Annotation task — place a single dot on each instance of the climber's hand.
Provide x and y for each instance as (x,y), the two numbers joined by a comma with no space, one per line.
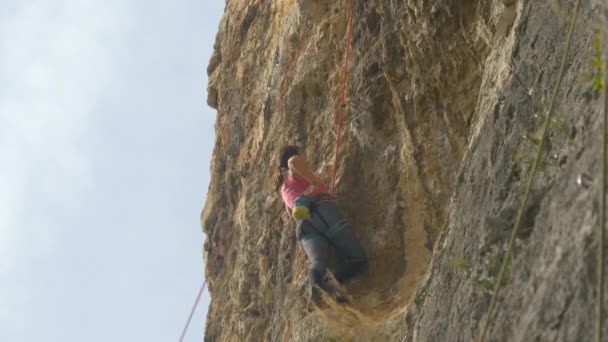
(289,212)
(312,189)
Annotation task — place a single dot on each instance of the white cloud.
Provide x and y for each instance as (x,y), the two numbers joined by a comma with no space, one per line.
(55,67)
(56,64)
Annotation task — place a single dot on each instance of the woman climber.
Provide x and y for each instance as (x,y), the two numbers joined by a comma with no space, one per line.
(320,224)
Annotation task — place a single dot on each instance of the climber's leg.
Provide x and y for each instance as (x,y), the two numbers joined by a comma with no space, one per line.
(317,251)
(351,255)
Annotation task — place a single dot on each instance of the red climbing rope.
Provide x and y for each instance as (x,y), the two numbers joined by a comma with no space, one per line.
(303,42)
(282,90)
(343,96)
(283,86)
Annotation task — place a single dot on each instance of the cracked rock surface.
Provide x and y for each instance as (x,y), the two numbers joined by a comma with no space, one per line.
(445,99)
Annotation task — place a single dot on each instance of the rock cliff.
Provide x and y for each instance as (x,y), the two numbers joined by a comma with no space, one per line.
(445,99)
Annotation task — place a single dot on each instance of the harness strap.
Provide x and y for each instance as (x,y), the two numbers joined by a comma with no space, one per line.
(320,198)
(335,229)
(310,236)
(331,232)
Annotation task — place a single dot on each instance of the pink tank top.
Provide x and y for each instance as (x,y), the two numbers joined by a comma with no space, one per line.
(294,186)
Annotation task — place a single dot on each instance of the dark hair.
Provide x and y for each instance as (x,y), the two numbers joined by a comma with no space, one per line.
(286,153)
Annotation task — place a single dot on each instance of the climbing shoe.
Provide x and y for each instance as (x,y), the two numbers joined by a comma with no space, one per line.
(350,270)
(339,298)
(314,295)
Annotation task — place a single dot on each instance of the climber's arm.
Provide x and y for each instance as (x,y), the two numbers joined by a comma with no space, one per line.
(299,165)
(288,211)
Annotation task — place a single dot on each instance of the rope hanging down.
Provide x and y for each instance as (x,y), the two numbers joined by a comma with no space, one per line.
(211,266)
(198,298)
(343,95)
(524,203)
(282,90)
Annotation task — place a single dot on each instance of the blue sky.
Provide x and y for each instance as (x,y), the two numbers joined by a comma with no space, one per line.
(105,144)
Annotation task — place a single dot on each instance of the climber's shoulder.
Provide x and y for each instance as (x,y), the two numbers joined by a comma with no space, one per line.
(296,161)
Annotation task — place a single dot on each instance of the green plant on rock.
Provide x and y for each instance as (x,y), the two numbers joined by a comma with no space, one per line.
(558,123)
(494,263)
(421,296)
(593,75)
(483,283)
(459,264)
(559,128)
(598,64)
(525,160)
(527,190)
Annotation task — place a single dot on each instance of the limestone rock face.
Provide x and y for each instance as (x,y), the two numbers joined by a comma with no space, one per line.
(434,157)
